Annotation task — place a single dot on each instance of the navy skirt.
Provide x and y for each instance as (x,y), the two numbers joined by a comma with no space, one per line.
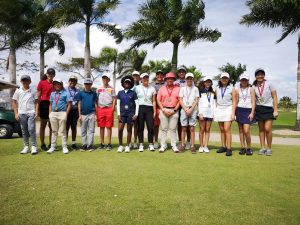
(242,115)
(264,113)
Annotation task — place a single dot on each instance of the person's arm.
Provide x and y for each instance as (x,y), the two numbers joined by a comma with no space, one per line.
(50,107)
(79,110)
(252,92)
(69,107)
(154,104)
(15,108)
(234,104)
(136,109)
(275,103)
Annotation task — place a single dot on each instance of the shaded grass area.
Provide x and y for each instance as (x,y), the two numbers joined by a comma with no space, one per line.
(148,188)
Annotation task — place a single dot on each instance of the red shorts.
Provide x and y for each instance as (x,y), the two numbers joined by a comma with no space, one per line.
(156,118)
(105,117)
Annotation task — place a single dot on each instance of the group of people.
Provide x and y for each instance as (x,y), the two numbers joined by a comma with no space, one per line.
(167,105)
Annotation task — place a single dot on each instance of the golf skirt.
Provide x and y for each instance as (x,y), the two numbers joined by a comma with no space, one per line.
(242,115)
(264,113)
(223,113)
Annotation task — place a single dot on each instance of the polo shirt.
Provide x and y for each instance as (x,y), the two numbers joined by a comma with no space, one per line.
(46,88)
(226,99)
(87,99)
(266,99)
(168,97)
(145,94)
(26,100)
(158,85)
(188,95)
(73,93)
(106,96)
(128,98)
(59,100)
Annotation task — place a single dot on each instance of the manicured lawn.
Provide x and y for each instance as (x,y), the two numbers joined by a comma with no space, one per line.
(148,188)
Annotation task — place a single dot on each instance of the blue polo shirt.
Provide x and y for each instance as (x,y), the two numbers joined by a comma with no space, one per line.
(127,98)
(88,100)
(59,100)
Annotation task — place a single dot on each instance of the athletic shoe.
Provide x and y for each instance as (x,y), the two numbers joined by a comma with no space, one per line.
(188,145)
(269,152)
(51,150)
(90,148)
(179,144)
(83,148)
(120,149)
(25,150)
(156,145)
(162,149)
(201,149)
(262,151)
(221,150)
(135,146)
(44,148)
(242,151)
(65,150)
(151,147)
(181,148)
(127,149)
(249,151)
(108,147)
(141,148)
(228,152)
(206,150)
(193,150)
(101,146)
(34,150)
(175,149)
(74,147)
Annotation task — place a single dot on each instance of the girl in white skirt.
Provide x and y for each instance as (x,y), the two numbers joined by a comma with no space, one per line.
(206,107)
(245,113)
(225,112)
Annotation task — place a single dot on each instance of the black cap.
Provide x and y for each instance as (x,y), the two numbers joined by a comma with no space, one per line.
(259,70)
(51,71)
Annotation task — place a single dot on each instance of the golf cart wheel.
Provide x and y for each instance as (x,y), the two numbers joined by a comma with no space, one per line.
(6,131)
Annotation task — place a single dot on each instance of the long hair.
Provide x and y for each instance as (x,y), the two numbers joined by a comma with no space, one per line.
(201,87)
(221,85)
(255,82)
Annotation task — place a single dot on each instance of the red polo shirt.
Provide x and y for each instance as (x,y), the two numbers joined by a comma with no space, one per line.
(45,87)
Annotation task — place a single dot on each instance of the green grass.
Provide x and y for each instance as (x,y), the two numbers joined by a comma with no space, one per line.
(148,188)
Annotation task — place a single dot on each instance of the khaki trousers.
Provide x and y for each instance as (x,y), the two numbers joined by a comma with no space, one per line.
(168,124)
(58,124)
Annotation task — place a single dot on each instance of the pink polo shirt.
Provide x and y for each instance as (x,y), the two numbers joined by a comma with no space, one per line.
(169,97)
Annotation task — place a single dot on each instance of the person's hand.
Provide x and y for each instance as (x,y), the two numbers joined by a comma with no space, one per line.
(232,117)
(166,112)
(96,118)
(251,116)
(201,116)
(134,117)
(80,119)
(120,120)
(275,114)
(17,117)
(154,114)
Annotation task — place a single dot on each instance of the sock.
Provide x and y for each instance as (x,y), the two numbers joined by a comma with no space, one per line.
(73,142)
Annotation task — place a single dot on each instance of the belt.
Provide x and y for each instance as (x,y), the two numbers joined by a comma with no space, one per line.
(169,107)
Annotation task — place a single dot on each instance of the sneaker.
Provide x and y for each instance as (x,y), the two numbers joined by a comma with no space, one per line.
(25,150)
(51,150)
(65,150)
(135,146)
(151,147)
(141,148)
(269,152)
(228,152)
(83,148)
(249,151)
(90,148)
(221,150)
(74,147)
(101,146)
(120,149)
(201,149)
(262,151)
(156,145)
(193,150)
(109,147)
(206,150)
(34,150)
(242,151)
(179,144)
(188,145)
(44,148)
(175,149)
(127,149)
(49,146)
(162,149)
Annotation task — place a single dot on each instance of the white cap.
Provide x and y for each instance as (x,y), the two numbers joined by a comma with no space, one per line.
(106,75)
(144,75)
(57,80)
(207,78)
(244,76)
(189,75)
(135,73)
(224,75)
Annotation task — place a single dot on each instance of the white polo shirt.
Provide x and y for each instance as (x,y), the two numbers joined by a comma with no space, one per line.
(25,100)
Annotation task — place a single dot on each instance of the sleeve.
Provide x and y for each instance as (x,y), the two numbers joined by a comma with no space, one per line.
(159,94)
(118,107)
(118,96)
(16,95)
(136,107)
(68,97)
(95,96)
(154,91)
(196,92)
(181,93)
(272,88)
(113,93)
(79,97)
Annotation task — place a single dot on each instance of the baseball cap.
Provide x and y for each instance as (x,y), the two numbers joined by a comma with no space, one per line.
(25,77)
(259,70)
(144,75)
(159,71)
(189,75)
(87,81)
(73,77)
(57,80)
(182,68)
(51,71)
(135,73)
(106,75)
(244,76)
(170,75)
(224,75)
(207,78)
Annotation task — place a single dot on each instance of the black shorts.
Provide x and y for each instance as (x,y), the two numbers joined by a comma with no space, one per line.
(264,113)
(72,119)
(44,109)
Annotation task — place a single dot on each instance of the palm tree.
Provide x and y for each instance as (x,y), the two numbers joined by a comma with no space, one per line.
(170,20)
(89,12)
(234,71)
(283,14)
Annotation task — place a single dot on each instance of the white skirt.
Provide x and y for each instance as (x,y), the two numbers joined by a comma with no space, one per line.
(223,113)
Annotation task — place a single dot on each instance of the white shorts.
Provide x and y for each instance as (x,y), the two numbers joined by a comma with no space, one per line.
(223,113)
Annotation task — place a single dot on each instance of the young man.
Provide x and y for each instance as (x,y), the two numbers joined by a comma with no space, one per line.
(86,109)
(136,79)
(60,106)
(105,111)
(159,82)
(73,115)
(25,109)
(44,90)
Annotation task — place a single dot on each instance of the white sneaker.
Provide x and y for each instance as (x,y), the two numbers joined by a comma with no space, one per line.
(25,150)
(201,149)
(127,149)
(151,147)
(65,150)
(135,145)
(51,150)
(175,149)
(156,145)
(162,149)
(120,149)
(33,150)
(206,150)
(188,145)
(141,148)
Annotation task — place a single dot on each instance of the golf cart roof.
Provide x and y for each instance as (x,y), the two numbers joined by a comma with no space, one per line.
(7,85)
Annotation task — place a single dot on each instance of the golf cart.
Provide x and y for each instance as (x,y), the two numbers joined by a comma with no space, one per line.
(8,124)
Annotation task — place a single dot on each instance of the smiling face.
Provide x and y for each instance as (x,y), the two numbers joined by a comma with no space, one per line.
(145,81)
(224,81)
(159,77)
(50,77)
(244,82)
(170,81)
(189,81)
(57,86)
(207,84)
(72,83)
(105,81)
(260,76)
(181,74)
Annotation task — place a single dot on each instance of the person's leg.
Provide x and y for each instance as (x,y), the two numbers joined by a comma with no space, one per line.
(91,129)
(24,127)
(261,126)
(43,125)
(102,132)
(156,132)
(120,133)
(222,130)
(109,132)
(207,132)
(150,123)
(188,134)
(179,130)
(201,132)
(268,130)
(54,124)
(246,130)
(84,126)
(183,134)
(62,118)
(74,126)
(129,133)
(192,131)
(31,129)
(241,135)
(173,121)
(228,137)
(164,122)
(68,124)
(135,132)
(141,123)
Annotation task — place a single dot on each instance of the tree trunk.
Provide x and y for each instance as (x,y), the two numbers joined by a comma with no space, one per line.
(87,52)
(175,57)
(12,68)
(297,126)
(114,74)
(42,56)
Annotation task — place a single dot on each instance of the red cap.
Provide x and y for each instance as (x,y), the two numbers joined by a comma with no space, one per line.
(170,75)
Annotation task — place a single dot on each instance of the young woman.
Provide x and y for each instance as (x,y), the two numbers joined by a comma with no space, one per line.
(206,108)
(147,109)
(265,111)
(225,112)
(245,113)
(136,79)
